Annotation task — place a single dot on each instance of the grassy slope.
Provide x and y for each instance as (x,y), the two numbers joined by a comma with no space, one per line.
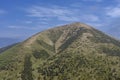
(87,55)
(84,60)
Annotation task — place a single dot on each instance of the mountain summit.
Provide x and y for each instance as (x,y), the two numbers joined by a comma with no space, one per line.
(70,52)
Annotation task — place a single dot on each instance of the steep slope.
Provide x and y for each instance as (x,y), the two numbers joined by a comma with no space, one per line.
(7,47)
(71,52)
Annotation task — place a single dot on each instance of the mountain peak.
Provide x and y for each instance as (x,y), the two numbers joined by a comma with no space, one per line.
(59,33)
(74,51)
(78,24)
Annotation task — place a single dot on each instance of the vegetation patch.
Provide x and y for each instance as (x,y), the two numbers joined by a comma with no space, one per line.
(27,71)
(114,51)
(42,54)
(54,35)
(47,46)
(72,38)
(100,37)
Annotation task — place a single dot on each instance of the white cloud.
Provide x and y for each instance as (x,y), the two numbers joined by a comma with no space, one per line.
(2,11)
(16,27)
(118,1)
(60,13)
(90,17)
(69,18)
(19,27)
(38,11)
(97,25)
(94,0)
(27,27)
(28,22)
(113,11)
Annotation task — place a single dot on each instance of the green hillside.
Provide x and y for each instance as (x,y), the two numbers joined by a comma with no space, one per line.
(70,52)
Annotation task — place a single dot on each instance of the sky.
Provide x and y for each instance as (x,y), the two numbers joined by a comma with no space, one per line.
(20,19)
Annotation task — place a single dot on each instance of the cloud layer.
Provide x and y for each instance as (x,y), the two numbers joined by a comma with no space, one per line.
(39,15)
(60,13)
(2,12)
(114,11)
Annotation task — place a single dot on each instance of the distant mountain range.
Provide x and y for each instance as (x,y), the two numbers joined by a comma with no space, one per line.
(7,47)
(70,52)
(7,41)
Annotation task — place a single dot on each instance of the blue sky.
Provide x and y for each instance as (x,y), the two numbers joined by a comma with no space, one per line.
(22,18)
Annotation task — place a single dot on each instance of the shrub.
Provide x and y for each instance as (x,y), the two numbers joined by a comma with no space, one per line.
(42,54)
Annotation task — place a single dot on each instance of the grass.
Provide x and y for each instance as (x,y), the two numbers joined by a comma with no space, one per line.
(82,57)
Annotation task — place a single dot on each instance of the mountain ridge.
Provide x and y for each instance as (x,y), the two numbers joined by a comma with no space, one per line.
(74,51)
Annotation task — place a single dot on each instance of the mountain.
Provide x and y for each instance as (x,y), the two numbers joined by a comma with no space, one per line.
(4,41)
(70,52)
(7,47)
